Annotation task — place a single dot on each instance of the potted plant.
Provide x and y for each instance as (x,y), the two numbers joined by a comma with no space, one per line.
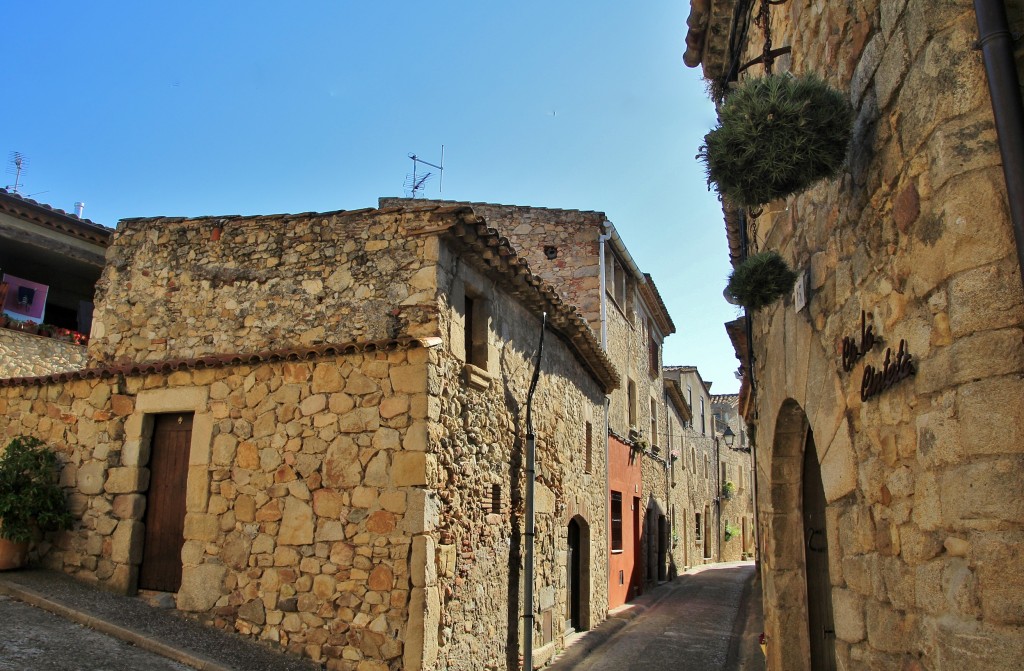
(727,490)
(760,280)
(730,531)
(31,499)
(777,135)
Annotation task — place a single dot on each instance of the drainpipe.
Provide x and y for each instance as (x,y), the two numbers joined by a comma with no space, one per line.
(718,492)
(601,240)
(531,476)
(996,44)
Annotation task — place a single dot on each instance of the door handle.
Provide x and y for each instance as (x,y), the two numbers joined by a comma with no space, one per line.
(822,545)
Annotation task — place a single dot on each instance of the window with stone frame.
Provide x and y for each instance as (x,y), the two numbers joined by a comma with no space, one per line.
(700,528)
(654,425)
(653,351)
(616,281)
(693,460)
(703,423)
(631,400)
(589,463)
(477,315)
(616,513)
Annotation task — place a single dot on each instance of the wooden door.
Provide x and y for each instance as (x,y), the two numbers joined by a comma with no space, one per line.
(165,503)
(574,577)
(820,624)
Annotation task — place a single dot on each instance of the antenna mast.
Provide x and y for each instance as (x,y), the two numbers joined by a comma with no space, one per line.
(415,183)
(18,164)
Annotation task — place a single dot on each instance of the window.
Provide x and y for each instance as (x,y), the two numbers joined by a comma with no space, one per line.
(496,499)
(631,393)
(476,314)
(615,280)
(725,473)
(689,401)
(654,423)
(653,350)
(706,466)
(693,461)
(698,535)
(616,521)
(703,428)
(590,447)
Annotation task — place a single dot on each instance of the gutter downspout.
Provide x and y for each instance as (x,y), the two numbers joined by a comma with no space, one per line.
(996,44)
(531,458)
(604,237)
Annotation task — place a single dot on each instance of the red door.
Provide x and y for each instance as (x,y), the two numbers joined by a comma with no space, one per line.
(165,504)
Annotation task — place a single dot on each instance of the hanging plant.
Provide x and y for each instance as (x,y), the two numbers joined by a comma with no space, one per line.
(761,280)
(777,135)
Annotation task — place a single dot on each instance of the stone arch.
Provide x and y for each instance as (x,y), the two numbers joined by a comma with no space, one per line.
(786,583)
(785,555)
(579,590)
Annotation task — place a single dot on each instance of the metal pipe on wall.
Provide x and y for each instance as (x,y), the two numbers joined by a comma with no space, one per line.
(996,44)
(531,476)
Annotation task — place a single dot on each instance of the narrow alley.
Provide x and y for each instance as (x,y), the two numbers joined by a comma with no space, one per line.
(708,619)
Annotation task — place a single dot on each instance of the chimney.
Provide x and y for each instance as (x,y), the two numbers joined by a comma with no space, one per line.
(79,208)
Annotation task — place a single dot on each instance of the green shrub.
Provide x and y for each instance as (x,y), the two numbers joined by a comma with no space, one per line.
(761,280)
(30,496)
(777,135)
(730,531)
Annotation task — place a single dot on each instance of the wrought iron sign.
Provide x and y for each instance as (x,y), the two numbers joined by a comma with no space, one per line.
(876,380)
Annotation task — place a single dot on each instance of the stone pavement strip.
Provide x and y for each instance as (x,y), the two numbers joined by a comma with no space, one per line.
(705,620)
(130,619)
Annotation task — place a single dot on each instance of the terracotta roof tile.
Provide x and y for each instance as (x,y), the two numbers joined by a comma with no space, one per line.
(53,218)
(165,366)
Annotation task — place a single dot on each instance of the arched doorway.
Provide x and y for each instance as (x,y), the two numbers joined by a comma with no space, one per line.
(801,634)
(820,626)
(577,572)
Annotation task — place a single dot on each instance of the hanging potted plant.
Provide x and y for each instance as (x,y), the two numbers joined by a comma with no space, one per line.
(31,499)
(777,135)
(760,280)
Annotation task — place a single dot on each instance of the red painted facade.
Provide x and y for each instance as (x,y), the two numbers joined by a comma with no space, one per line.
(624,478)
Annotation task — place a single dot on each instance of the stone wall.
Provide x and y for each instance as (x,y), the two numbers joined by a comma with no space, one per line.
(537,232)
(25,355)
(480,481)
(924,517)
(193,287)
(305,494)
(359,504)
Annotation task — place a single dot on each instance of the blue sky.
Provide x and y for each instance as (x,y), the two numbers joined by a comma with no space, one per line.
(224,107)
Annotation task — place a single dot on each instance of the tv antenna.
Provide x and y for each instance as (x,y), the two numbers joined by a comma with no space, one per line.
(18,165)
(416,182)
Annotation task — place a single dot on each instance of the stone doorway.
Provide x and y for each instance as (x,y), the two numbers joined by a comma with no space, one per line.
(165,503)
(577,601)
(796,550)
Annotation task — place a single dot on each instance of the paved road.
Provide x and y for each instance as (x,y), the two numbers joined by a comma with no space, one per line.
(696,624)
(41,641)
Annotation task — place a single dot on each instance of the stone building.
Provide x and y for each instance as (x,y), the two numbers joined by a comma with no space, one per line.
(55,259)
(583,255)
(696,494)
(736,478)
(886,399)
(329,409)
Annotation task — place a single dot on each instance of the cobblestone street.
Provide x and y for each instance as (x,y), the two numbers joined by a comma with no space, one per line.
(706,620)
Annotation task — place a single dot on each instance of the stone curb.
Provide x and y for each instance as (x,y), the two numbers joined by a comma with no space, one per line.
(36,599)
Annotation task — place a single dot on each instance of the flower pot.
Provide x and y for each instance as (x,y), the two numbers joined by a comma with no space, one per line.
(12,555)
(760,280)
(777,135)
